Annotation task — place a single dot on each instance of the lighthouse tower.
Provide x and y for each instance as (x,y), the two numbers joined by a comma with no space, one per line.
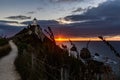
(35,22)
(36,29)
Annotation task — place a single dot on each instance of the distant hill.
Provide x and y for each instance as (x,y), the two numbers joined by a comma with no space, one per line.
(9,30)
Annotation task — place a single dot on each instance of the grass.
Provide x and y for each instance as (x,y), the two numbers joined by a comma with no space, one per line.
(3,41)
(4,47)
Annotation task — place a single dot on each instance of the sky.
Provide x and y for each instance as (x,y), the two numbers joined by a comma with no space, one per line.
(74,19)
(43,9)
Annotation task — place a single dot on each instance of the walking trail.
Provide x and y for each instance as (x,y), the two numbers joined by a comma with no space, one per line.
(7,68)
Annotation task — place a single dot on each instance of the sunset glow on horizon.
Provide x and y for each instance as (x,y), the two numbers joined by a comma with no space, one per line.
(62,39)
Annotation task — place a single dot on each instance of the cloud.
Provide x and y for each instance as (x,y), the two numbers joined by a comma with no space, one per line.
(85,29)
(102,20)
(39,8)
(108,10)
(81,17)
(12,23)
(65,0)
(79,10)
(44,23)
(3,21)
(31,12)
(19,17)
(7,29)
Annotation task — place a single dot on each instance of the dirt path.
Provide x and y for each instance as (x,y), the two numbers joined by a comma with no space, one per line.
(7,68)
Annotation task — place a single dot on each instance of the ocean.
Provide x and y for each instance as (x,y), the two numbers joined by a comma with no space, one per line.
(102,49)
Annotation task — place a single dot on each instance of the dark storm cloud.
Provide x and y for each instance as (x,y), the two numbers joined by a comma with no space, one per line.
(3,21)
(79,10)
(107,10)
(103,20)
(88,29)
(81,17)
(19,17)
(10,30)
(45,23)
